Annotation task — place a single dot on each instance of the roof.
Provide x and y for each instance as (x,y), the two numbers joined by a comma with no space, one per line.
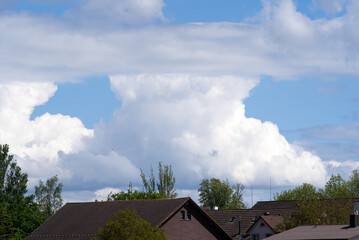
(283,204)
(246,217)
(271,220)
(322,232)
(81,220)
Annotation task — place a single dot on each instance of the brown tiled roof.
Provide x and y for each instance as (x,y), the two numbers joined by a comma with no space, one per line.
(243,218)
(81,220)
(223,219)
(273,221)
(323,232)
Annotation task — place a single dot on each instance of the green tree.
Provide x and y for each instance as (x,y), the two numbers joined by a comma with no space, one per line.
(335,188)
(314,211)
(214,192)
(20,211)
(133,195)
(48,196)
(165,183)
(353,184)
(13,183)
(126,224)
(150,184)
(305,191)
(237,197)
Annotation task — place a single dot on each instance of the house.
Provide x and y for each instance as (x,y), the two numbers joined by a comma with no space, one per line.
(237,222)
(265,226)
(322,232)
(181,218)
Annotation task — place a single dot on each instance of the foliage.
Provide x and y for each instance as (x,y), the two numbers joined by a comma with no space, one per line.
(237,197)
(335,188)
(48,196)
(128,225)
(19,213)
(214,192)
(166,181)
(133,195)
(305,191)
(313,211)
(165,186)
(353,184)
(330,205)
(150,184)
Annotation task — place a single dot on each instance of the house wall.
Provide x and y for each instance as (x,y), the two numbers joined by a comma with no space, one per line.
(197,228)
(260,228)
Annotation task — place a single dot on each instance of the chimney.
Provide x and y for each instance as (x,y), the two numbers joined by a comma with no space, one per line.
(354,221)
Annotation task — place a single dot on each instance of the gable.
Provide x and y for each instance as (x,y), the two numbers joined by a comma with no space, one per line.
(191,223)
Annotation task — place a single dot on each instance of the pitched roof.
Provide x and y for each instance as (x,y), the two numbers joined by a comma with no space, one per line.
(81,220)
(322,232)
(271,220)
(243,218)
(269,205)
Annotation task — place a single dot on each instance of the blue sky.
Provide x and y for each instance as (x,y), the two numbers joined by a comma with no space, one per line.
(116,86)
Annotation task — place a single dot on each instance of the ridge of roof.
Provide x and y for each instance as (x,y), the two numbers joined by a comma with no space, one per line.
(134,200)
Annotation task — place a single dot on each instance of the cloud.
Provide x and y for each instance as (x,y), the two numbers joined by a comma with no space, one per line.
(36,143)
(193,118)
(284,44)
(331,7)
(182,119)
(349,131)
(110,13)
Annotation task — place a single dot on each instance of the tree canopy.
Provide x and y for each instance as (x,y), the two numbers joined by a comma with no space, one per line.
(214,192)
(329,205)
(20,214)
(48,196)
(126,224)
(165,186)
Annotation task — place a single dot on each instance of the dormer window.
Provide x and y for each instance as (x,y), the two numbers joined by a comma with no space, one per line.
(232,220)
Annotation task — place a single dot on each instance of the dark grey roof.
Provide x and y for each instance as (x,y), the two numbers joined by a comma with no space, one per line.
(323,232)
(269,205)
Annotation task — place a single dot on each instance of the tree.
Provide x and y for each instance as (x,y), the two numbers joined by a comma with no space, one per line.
(150,184)
(305,191)
(48,196)
(13,183)
(214,192)
(314,211)
(126,224)
(353,184)
(335,188)
(165,183)
(20,212)
(330,205)
(237,197)
(133,195)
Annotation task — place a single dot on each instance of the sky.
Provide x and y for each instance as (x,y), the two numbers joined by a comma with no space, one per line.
(259,92)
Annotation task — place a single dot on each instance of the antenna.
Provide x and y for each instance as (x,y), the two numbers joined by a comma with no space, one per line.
(270,188)
(252,193)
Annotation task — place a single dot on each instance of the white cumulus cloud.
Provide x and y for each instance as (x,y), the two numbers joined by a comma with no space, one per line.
(198,125)
(37,142)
